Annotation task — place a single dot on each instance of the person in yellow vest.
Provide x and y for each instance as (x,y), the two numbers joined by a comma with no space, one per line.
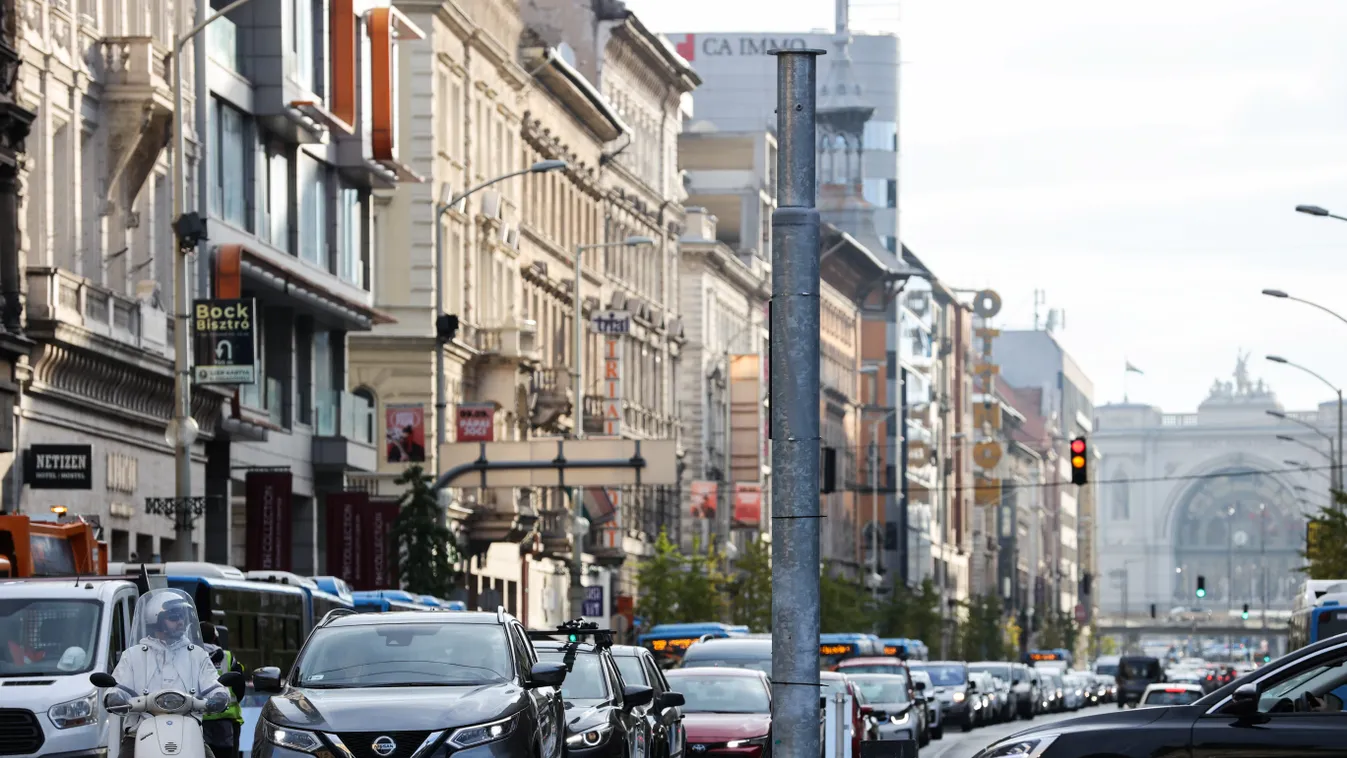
(221,731)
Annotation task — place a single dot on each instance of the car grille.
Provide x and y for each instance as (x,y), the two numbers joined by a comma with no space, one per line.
(361,744)
(20,734)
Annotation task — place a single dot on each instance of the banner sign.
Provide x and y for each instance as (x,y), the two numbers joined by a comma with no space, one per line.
(702,500)
(476,422)
(612,385)
(747,504)
(269,518)
(405,433)
(59,467)
(593,605)
(225,341)
(359,541)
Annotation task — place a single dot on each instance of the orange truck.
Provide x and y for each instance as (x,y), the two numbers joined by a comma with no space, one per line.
(69,547)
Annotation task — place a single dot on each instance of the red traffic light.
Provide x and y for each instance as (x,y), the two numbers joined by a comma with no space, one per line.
(1078,446)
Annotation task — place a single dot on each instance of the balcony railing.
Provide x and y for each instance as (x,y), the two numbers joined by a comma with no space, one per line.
(342,414)
(272,400)
(134,62)
(222,43)
(58,295)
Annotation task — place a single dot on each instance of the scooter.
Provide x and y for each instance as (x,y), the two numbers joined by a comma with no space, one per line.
(172,728)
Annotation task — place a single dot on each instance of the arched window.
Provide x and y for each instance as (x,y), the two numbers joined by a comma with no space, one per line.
(1122,506)
(364,414)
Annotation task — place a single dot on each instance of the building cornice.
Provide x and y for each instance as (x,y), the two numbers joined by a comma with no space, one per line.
(539,136)
(473,36)
(718,256)
(657,55)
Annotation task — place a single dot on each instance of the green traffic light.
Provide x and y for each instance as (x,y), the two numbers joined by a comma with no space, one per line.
(572,638)
(1245,615)
(1267,659)
(1201,592)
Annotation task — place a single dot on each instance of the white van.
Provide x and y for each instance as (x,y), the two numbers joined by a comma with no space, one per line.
(53,634)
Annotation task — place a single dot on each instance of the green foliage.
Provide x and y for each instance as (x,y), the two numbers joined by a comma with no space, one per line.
(702,593)
(912,613)
(1325,551)
(1059,630)
(752,587)
(982,636)
(845,605)
(427,552)
(1108,646)
(660,578)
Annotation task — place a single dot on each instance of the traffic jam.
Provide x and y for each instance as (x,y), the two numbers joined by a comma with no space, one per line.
(198,659)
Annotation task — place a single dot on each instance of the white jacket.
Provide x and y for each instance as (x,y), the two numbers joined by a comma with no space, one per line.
(151,665)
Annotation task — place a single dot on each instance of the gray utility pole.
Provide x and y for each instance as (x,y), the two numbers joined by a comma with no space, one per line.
(794,386)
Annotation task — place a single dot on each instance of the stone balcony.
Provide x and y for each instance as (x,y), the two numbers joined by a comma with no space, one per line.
(138,100)
(59,299)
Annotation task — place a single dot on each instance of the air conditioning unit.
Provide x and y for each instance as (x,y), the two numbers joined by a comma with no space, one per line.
(491,204)
(511,237)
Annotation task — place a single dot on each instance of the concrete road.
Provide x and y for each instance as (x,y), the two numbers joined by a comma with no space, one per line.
(957,744)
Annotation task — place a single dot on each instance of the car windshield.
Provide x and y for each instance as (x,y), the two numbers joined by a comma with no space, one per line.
(404,655)
(765,666)
(946,676)
(631,670)
(1107,669)
(48,637)
(1172,697)
(721,694)
(1000,671)
(584,677)
(878,688)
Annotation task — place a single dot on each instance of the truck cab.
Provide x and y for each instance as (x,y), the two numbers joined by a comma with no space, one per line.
(53,634)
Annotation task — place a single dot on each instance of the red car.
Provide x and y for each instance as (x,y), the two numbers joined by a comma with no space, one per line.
(727,712)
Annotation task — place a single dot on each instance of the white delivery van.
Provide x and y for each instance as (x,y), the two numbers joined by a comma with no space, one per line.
(53,634)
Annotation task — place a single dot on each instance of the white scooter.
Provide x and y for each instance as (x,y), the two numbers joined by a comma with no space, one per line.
(172,727)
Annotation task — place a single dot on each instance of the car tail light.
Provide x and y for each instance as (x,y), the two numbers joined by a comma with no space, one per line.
(1175,690)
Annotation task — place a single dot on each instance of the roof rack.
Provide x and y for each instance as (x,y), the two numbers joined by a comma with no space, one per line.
(335,614)
(575,630)
(500,614)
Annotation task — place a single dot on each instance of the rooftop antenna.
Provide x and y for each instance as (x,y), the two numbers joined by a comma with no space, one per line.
(1040,298)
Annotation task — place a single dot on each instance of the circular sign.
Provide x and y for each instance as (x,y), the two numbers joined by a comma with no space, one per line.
(987,454)
(987,304)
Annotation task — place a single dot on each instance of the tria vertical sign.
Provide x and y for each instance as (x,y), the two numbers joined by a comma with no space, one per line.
(612,326)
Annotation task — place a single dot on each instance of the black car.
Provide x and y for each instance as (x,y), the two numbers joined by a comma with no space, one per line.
(668,737)
(1135,674)
(602,716)
(412,684)
(1290,708)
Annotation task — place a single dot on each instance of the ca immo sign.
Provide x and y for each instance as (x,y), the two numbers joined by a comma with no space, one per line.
(225,341)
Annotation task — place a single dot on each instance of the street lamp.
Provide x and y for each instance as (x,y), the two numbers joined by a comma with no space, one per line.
(187,231)
(1302,443)
(874,485)
(445,203)
(1337,479)
(1314,210)
(578,408)
(1280,294)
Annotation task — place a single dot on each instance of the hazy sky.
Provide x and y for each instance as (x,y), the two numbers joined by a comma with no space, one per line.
(1139,162)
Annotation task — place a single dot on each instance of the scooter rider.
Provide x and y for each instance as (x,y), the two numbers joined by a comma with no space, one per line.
(168,655)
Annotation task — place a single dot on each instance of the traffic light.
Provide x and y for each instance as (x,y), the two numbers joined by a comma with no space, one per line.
(828,471)
(1245,614)
(1267,659)
(1078,472)
(1152,610)
(1201,586)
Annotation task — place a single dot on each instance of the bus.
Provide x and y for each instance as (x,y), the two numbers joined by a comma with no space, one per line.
(834,647)
(1319,612)
(318,602)
(902,647)
(1055,658)
(383,601)
(668,642)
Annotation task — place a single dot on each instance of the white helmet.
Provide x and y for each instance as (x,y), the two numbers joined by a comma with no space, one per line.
(167,605)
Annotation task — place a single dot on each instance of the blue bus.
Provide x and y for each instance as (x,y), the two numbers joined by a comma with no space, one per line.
(907,649)
(1319,612)
(1054,658)
(318,601)
(383,601)
(669,641)
(834,647)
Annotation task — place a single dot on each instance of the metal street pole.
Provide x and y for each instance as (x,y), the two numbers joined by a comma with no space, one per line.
(577,590)
(187,233)
(794,383)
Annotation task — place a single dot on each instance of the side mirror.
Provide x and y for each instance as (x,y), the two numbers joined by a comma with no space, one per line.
(921,686)
(823,702)
(233,679)
(636,696)
(972,686)
(102,679)
(546,675)
(265,679)
(670,700)
(879,715)
(1014,682)
(1244,699)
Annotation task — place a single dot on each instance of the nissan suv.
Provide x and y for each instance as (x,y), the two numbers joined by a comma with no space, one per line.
(411,685)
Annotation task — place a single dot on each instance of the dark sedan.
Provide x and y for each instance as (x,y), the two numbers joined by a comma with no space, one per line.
(1291,708)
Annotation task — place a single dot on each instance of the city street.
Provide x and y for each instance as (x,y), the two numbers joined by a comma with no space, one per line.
(957,744)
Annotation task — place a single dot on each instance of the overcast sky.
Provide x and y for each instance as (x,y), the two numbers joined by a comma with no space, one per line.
(1139,162)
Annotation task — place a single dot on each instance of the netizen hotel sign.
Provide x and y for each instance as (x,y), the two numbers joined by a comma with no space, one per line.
(225,340)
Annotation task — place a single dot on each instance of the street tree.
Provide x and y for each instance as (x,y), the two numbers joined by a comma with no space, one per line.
(1325,551)
(845,605)
(660,578)
(425,547)
(701,595)
(752,587)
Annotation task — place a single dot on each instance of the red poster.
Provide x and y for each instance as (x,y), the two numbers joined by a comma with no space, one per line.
(747,504)
(476,422)
(405,432)
(269,520)
(702,500)
(358,541)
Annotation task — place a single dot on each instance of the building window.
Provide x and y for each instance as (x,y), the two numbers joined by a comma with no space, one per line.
(232,150)
(1122,506)
(301,42)
(350,239)
(312,185)
(367,412)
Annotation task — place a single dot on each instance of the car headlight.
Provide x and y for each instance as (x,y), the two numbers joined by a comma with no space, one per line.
(590,737)
(959,697)
(170,701)
(745,743)
(901,718)
(471,736)
(1024,747)
(293,739)
(74,713)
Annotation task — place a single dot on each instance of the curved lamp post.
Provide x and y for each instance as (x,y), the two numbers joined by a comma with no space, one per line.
(1337,479)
